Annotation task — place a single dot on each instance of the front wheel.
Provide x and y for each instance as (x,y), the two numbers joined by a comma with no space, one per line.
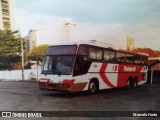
(93,87)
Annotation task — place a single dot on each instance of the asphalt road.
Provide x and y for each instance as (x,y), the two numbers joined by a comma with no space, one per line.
(26,96)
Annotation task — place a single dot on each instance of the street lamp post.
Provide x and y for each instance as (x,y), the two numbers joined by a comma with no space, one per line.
(22,52)
(37,61)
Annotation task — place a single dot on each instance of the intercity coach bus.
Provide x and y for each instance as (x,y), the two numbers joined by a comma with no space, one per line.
(91,66)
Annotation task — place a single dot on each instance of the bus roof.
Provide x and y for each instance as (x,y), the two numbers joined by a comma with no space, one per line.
(88,42)
(97,43)
(138,53)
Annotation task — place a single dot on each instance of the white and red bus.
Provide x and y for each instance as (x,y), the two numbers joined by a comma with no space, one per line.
(91,66)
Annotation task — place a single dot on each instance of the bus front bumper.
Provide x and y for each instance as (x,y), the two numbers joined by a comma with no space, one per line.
(76,87)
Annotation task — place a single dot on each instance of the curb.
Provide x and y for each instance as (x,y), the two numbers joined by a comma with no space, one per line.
(2,80)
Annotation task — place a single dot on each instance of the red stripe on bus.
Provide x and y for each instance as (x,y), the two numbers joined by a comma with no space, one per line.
(104,77)
(69,82)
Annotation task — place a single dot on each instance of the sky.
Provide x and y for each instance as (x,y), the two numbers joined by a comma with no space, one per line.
(106,20)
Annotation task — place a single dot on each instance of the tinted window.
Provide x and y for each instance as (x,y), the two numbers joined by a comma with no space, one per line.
(95,54)
(83,50)
(144,60)
(141,60)
(82,65)
(137,59)
(120,57)
(62,50)
(109,55)
(129,58)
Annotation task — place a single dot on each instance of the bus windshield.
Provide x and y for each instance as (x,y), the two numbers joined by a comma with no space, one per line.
(60,65)
(59,60)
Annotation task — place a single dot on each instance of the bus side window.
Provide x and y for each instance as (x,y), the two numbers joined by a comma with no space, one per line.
(109,55)
(129,58)
(137,59)
(120,57)
(95,53)
(83,50)
(144,61)
(92,54)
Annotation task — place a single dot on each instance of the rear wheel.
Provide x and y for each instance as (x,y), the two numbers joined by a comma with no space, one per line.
(129,84)
(135,82)
(93,87)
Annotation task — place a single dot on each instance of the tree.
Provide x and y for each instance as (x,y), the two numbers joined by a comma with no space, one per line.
(10,49)
(10,42)
(38,52)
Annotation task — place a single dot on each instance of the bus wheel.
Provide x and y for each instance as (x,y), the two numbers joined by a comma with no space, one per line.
(135,83)
(93,86)
(129,84)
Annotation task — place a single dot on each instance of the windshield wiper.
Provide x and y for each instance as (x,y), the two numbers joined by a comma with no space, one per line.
(46,72)
(59,73)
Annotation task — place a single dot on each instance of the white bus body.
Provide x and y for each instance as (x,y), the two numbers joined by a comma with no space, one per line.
(91,66)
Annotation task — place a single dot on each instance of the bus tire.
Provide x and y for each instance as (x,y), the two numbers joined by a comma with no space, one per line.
(93,86)
(135,82)
(129,84)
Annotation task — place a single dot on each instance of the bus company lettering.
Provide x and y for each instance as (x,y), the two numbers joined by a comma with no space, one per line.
(115,68)
(129,69)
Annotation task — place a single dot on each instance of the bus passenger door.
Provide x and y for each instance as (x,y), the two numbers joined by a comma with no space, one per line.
(81,65)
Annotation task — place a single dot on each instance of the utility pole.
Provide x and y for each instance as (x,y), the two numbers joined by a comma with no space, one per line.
(37,61)
(22,52)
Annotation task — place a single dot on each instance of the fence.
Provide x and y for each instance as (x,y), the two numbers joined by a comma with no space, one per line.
(29,74)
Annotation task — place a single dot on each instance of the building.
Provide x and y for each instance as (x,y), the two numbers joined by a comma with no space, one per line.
(30,40)
(7,14)
(119,41)
(130,43)
(68,32)
(27,43)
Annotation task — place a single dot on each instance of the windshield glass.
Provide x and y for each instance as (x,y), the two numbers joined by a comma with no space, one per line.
(59,64)
(62,50)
